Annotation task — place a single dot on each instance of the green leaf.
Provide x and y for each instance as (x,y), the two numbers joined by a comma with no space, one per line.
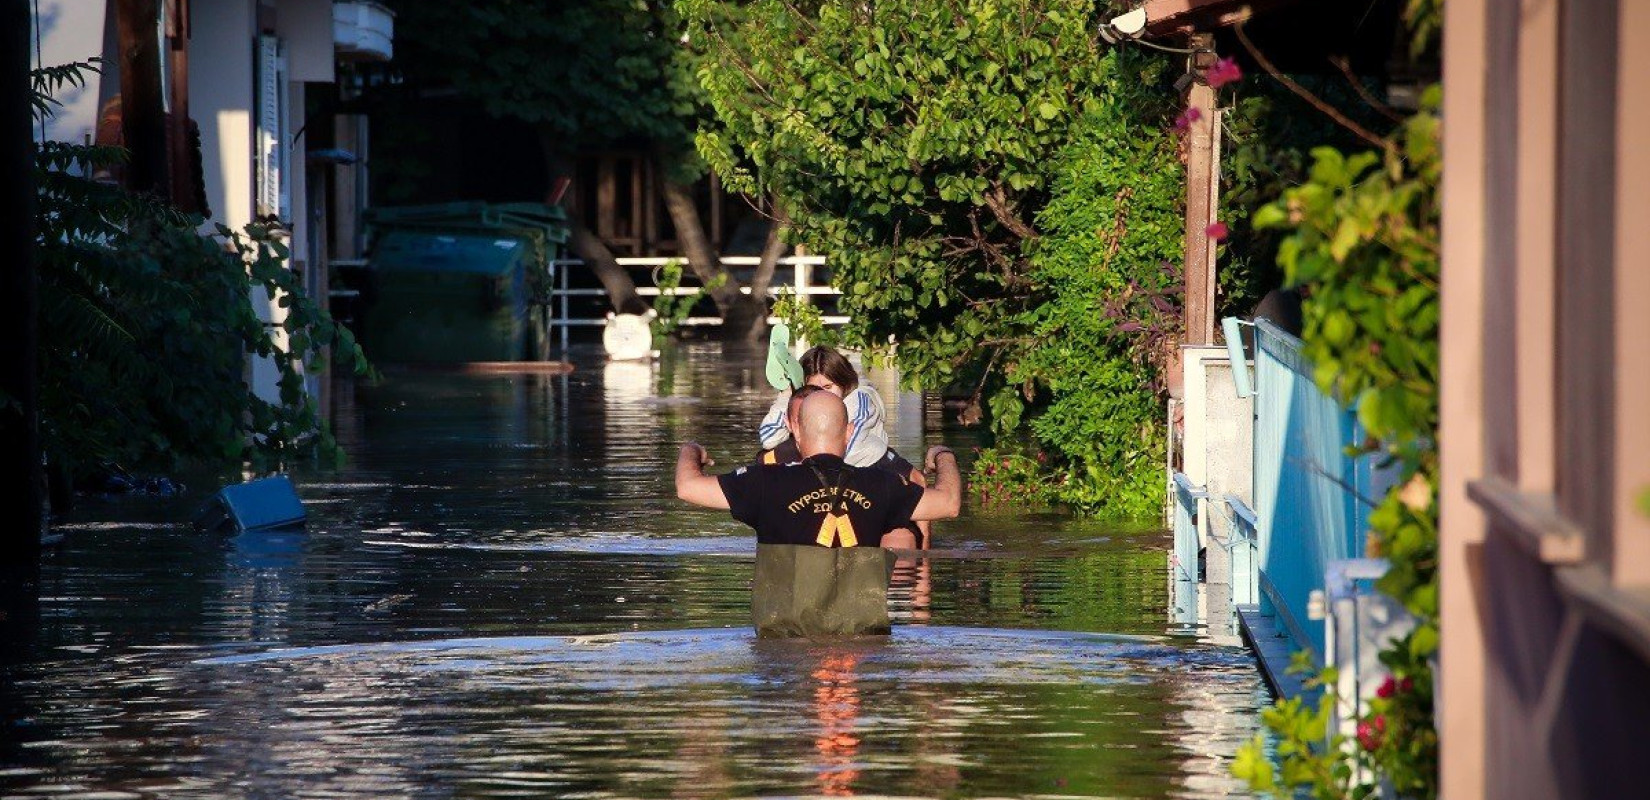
(1270,216)
(1423,642)
(1346,237)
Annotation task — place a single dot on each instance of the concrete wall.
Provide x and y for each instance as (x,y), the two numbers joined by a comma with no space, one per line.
(1545,560)
(220,99)
(223,100)
(305,26)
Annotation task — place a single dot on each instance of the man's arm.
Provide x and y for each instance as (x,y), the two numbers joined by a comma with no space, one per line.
(692,484)
(944,499)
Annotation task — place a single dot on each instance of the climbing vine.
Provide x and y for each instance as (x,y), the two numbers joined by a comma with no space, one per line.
(671,309)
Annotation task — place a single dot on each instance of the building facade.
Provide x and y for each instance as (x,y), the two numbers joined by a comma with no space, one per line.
(240,89)
(1544,680)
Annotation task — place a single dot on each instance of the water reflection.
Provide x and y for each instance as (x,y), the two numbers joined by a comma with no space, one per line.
(910,591)
(837,717)
(499,596)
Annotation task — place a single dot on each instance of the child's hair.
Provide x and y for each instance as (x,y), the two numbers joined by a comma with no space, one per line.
(822,360)
(795,404)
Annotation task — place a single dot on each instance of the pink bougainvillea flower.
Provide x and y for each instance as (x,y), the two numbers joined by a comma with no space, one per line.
(1184,122)
(1387,688)
(1366,736)
(1371,732)
(1218,231)
(1223,72)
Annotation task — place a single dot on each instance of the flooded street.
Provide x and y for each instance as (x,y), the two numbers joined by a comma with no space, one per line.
(500,596)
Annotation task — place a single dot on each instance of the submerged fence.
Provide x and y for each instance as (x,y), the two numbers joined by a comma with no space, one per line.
(796,274)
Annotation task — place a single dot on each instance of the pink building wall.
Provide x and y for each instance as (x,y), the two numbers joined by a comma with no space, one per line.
(1545,558)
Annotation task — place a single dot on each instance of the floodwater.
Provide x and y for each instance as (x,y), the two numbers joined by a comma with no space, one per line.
(499,596)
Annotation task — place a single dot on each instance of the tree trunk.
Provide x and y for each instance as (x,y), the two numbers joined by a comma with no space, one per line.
(621,288)
(743,316)
(23,496)
(772,250)
(142,107)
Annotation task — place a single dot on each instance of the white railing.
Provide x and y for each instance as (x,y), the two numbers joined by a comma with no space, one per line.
(1189,502)
(800,283)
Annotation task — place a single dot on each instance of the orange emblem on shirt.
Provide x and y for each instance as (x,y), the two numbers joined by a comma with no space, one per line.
(836,528)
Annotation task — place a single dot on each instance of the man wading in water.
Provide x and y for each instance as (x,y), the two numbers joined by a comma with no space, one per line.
(820,566)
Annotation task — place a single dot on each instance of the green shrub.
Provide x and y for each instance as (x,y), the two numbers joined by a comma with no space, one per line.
(147,326)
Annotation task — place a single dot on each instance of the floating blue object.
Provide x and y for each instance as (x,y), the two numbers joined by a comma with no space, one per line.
(255,505)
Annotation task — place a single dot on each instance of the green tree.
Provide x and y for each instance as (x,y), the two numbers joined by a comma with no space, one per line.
(587,73)
(998,193)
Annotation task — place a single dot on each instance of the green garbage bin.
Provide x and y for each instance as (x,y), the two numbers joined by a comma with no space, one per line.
(457,282)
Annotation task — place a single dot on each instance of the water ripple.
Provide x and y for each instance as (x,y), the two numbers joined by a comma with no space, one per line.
(499,596)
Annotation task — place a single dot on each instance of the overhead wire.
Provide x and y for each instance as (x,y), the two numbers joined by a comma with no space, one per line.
(1165,48)
(39,59)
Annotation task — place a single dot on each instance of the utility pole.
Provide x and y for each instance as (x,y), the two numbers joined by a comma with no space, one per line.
(1202,195)
(23,496)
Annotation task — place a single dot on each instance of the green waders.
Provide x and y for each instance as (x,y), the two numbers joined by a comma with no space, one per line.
(804,590)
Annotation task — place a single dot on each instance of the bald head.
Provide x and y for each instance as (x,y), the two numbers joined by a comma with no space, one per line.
(821,425)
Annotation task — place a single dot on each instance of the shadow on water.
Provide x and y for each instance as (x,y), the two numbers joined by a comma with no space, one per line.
(500,596)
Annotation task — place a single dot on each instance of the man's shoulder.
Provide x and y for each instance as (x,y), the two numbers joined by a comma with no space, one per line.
(762,470)
(876,478)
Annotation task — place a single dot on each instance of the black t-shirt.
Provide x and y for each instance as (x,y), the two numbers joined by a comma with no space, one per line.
(805,503)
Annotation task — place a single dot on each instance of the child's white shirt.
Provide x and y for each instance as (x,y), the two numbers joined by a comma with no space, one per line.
(866,414)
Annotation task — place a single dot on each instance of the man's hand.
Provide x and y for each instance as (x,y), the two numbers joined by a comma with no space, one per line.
(944,499)
(929,462)
(701,455)
(692,484)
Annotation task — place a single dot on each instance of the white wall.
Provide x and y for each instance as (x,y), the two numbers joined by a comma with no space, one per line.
(220,100)
(222,96)
(306,27)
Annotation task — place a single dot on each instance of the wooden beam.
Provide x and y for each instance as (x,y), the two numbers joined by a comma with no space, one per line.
(634,228)
(181,160)
(1463,672)
(1168,17)
(142,105)
(650,208)
(1202,187)
(605,197)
